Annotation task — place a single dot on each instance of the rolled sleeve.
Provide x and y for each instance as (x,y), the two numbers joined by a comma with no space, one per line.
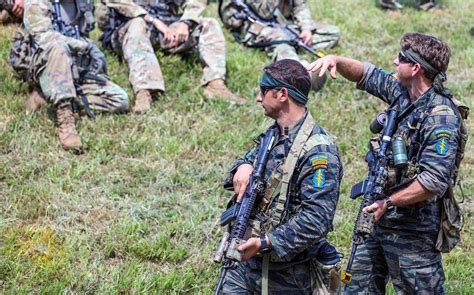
(438,154)
(319,192)
(380,83)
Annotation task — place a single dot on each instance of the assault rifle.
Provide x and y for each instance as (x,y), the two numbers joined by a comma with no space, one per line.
(278,21)
(239,214)
(92,70)
(372,188)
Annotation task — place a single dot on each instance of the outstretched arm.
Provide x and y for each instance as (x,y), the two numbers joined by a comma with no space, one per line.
(349,68)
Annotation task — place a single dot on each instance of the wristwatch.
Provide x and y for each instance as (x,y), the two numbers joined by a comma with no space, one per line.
(389,204)
(265,248)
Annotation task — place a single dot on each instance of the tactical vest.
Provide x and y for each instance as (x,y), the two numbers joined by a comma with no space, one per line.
(450,213)
(80,13)
(269,217)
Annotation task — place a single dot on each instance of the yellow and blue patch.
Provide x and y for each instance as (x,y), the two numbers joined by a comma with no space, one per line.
(442,144)
(320,166)
(319,178)
(319,161)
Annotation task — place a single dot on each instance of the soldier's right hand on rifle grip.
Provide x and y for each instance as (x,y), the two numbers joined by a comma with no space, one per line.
(241,179)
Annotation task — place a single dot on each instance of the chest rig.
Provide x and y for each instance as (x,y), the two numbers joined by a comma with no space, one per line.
(272,209)
(80,13)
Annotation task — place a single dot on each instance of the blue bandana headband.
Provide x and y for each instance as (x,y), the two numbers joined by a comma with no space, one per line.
(272,83)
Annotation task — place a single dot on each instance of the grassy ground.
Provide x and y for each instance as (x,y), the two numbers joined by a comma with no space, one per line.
(137,213)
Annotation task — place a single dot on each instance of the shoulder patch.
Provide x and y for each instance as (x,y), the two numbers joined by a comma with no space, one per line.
(442,145)
(319,161)
(442,110)
(319,178)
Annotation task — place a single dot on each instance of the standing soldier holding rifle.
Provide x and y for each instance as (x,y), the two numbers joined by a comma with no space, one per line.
(287,189)
(53,53)
(413,167)
(281,27)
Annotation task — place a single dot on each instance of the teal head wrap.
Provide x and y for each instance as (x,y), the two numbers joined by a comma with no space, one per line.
(272,83)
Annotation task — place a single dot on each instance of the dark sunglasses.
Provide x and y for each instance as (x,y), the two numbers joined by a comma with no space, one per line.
(264,90)
(403,59)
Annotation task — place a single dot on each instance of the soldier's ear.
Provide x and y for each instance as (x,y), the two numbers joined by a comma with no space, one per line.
(417,69)
(283,94)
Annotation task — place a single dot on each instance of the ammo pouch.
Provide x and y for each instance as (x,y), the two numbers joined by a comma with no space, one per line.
(449,233)
(21,54)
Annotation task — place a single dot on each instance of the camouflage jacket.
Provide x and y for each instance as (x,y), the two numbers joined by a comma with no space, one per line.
(313,192)
(191,9)
(37,23)
(431,148)
(296,11)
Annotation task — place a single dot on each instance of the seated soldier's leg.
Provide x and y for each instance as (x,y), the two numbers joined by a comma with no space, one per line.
(211,47)
(106,98)
(413,262)
(144,70)
(277,51)
(326,36)
(57,85)
(369,269)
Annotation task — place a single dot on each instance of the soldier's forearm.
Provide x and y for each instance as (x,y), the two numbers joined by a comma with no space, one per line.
(410,195)
(349,68)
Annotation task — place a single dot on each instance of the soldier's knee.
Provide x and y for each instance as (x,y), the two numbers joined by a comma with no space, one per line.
(137,25)
(122,102)
(59,48)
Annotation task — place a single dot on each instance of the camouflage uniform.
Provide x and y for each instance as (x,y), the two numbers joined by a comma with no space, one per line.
(324,36)
(6,15)
(136,43)
(310,209)
(54,57)
(403,246)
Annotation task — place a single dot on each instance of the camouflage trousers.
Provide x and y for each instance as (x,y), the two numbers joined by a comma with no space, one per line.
(408,258)
(57,83)
(247,278)
(136,44)
(324,37)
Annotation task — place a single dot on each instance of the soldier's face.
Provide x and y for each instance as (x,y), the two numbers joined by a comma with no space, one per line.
(269,101)
(404,70)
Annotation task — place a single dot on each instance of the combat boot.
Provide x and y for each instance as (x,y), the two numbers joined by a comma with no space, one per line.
(67,132)
(391,4)
(34,101)
(317,82)
(142,102)
(217,88)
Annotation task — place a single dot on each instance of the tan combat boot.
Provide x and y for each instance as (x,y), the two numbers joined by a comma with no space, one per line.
(142,102)
(34,101)
(67,132)
(217,88)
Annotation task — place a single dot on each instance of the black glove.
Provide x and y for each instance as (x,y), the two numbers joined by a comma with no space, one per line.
(98,63)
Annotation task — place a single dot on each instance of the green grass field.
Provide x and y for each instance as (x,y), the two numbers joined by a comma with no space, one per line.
(138,211)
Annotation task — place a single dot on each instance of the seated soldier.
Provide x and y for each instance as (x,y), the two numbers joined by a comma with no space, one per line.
(53,54)
(134,29)
(274,40)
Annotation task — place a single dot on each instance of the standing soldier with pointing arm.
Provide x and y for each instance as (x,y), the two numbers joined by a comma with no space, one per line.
(411,225)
